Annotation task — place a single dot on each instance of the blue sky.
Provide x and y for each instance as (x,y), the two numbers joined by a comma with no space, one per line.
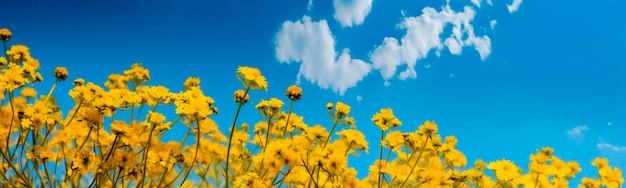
(504,77)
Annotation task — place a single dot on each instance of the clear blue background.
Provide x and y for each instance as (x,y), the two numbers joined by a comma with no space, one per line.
(554,65)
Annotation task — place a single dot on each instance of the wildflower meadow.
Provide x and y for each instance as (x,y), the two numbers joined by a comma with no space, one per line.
(112,137)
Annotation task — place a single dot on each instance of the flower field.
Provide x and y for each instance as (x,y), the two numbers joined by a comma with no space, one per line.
(91,146)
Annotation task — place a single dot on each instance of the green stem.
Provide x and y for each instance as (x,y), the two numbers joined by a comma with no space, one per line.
(145,157)
(75,112)
(331,131)
(267,140)
(380,158)
(186,135)
(310,173)
(50,92)
(163,175)
(416,161)
(230,136)
(20,175)
(12,116)
(86,138)
(269,131)
(195,156)
(288,116)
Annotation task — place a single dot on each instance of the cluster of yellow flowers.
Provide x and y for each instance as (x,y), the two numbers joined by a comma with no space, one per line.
(90,147)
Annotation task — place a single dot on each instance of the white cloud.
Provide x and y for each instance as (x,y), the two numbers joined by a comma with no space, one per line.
(313,46)
(423,34)
(359,98)
(427,66)
(351,12)
(493,23)
(514,6)
(577,132)
(309,5)
(477,2)
(605,145)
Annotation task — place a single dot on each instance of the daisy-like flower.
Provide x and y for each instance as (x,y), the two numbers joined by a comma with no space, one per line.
(5,34)
(385,119)
(251,78)
(61,73)
(241,96)
(505,170)
(428,128)
(342,109)
(294,92)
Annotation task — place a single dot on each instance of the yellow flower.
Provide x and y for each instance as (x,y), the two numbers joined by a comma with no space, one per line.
(12,78)
(61,73)
(191,82)
(316,133)
(480,164)
(428,128)
(342,109)
(505,170)
(79,82)
(84,161)
(294,92)
(548,151)
(394,141)
(137,74)
(385,119)
(574,169)
(455,158)
(3,63)
(350,121)
(251,78)
(600,162)
(329,106)
(589,183)
(336,163)
(28,92)
(116,81)
(353,138)
(18,53)
(5,34)
(241,96)
(270,107)
(120,128)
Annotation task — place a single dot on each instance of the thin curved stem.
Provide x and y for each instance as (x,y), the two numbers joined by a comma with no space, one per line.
(288,116)
(195,156)
(50,92)
(416,161)
(380,158)
(230,137)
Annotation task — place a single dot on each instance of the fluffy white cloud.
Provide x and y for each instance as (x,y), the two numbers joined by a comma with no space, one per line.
(577,132)
(359,98)
(604,145)
(351,12)
(313,46)
(514,6)
(478,2)
(309,5)
(493,23)
(423,34)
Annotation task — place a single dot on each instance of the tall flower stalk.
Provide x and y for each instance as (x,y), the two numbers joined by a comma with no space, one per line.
(251,79)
